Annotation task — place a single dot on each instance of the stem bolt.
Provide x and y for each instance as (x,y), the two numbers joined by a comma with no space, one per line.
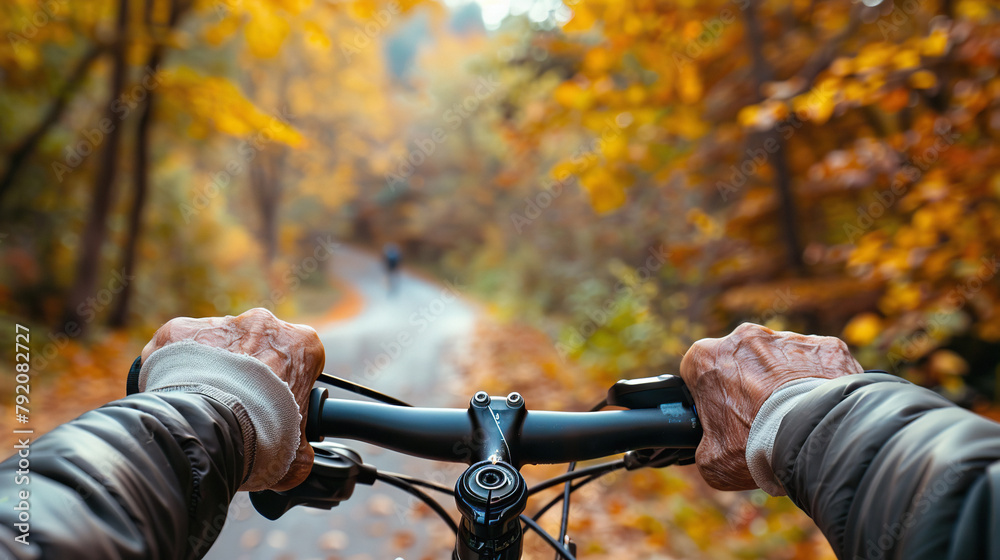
(481,398)
(514,400)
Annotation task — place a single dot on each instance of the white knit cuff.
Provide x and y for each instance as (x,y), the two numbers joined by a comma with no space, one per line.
(263,404)
(760,444)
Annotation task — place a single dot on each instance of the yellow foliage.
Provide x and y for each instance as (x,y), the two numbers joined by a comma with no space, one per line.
(217,103)
(974,10)
(947,363)
(749,116)
(863,329)
(901,296)
(842,66)
(315,35)
(922,79)
(687,125)
(906,59)
(615,147)
(222,30)
(874,56)
(266,30)
(573,96)
(936,44)
(704,223)
(605,190)
(817,104)
(583,18)
(689,87)
(868,249)
(234,247)
(597,61)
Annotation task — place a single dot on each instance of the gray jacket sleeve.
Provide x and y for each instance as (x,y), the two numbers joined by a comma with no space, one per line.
(150,476)
(888,469)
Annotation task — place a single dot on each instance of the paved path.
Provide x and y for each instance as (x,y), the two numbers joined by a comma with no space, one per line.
(398,343)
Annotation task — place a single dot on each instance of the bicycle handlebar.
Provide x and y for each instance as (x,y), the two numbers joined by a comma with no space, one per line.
(510,433)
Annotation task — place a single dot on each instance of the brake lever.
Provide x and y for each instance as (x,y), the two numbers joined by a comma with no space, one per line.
(657,458)
(669,394)
(335,472)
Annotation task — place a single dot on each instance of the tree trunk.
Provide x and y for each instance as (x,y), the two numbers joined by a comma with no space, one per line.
(81,306)
(141,174)
(22,153)
(782,175)
(266,188)
(267,183)
(119,313)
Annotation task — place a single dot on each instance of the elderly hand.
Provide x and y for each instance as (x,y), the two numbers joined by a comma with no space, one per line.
(293,352)
(731,377)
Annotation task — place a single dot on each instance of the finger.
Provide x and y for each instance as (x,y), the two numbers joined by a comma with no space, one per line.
(698,358)
(315,352)
(749,329)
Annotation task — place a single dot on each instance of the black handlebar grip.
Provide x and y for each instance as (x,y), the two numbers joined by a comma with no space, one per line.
(314,414)
(132,381)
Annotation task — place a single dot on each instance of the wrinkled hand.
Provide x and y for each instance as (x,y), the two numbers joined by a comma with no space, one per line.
(293,352)
(731,377)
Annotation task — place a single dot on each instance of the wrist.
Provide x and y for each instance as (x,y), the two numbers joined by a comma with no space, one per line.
(764,429)
(263,404)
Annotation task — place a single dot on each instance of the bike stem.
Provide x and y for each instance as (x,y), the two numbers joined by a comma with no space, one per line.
(491,494)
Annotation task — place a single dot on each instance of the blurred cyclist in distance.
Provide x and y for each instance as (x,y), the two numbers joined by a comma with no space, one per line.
(391,257)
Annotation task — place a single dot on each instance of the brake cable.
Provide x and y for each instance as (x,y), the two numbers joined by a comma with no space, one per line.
(576,486)
(568,489)
(409,488)
(421,482)
(560,549)
(359,389)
